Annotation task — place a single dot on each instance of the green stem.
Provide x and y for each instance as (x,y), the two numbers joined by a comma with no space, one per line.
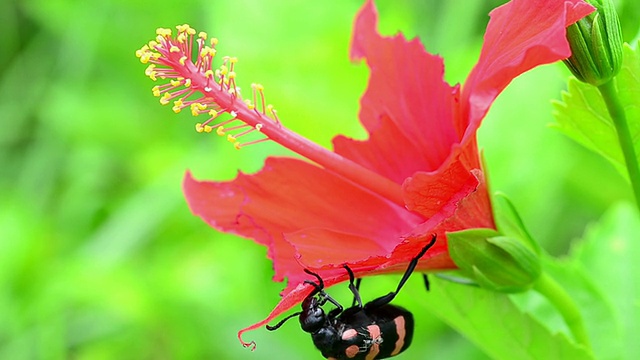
(556,294)
(616,110)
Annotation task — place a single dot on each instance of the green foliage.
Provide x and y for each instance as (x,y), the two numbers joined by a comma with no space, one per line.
(495,324)
(582,115)
(100,257)
(608,255)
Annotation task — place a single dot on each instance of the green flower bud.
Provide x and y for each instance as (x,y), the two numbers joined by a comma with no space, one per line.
(596,44)
(495,262)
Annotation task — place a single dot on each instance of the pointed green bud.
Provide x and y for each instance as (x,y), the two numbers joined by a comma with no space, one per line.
(596,44)
(495,262)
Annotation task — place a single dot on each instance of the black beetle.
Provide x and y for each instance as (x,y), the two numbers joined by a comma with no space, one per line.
(376,330)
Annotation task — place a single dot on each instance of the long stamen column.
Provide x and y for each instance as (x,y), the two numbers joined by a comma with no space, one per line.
(193,83)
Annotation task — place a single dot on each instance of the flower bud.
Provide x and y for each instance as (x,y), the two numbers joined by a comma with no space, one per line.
(596,44)
(495,262)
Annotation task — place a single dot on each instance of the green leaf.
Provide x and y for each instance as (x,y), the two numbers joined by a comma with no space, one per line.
(596,309)
(609,254)
(582,114)
(495,324)
(509,222)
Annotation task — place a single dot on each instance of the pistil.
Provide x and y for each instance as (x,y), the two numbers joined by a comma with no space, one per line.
(194,84)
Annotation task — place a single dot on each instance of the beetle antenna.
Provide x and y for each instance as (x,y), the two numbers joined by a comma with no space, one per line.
(277,326)
(383,300)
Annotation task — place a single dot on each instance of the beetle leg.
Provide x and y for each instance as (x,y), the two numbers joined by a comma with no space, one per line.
(383,300)
(426,281)
(354,288)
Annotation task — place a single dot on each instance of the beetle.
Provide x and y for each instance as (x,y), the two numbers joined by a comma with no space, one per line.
(376,330)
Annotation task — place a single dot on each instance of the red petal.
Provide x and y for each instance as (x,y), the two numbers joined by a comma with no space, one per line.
(521,35)
(297,209)
(407,109)
(290,196)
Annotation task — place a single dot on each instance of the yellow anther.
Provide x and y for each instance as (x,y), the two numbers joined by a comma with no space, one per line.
(224,70)
(213,113)
(182,38)
(174,49)
(197,108)
(232,74)
(142,51)
(150,71)
(258,127)
(208,74)
(231,138)
(164,100)
(233,60)
(153,44)
(214,41)
(156,90)
(249,104)
(257,87)
(220,130)
(270,109)
(202,35)
(163,32)
(182,60)
(177,106)
(183,28)
(207,51)
(236,145)
(199,127)
(175,83)
(187,83)
(207,128)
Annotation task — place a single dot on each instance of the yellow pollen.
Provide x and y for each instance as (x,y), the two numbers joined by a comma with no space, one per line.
(142,54)
(182,60)
(187,83)
(202,35)
(233,60)
(182,38)
(200,128)
(164,100)
(258,127)
(236,145)
(249,104)
(175,83)
(177,106)
(153,44)
(257,87)
(220,130)
(270,109)
(207,51)
(208,74)
(232,74)
(214,41)
(150,71)
(196,108)
(224,70)
(213,113)
(231,138)
(156,90)
(163,32)
(174,49)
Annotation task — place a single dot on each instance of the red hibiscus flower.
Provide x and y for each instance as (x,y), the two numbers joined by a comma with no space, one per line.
(371,204)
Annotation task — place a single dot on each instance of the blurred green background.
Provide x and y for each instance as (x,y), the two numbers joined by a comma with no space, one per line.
(100,257)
